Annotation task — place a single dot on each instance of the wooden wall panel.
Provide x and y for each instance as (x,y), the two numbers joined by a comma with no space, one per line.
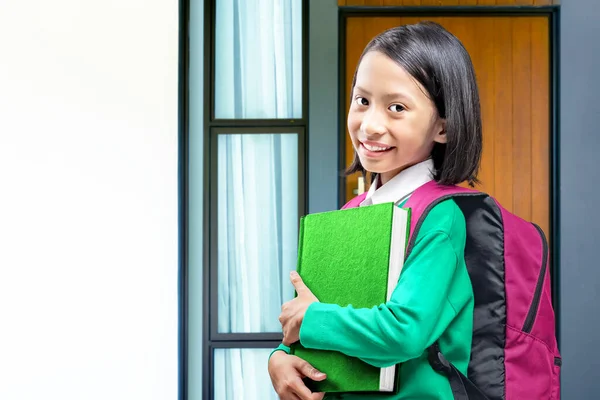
(343,3)
(355,33)
(512,63)
(486,3)
(521,121)
(484,63)
(354,3)
(540,122)
(502,123)
(402,2)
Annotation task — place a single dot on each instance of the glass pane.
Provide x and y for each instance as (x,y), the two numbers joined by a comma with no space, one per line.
(241,374)
(258,229)
(258,59)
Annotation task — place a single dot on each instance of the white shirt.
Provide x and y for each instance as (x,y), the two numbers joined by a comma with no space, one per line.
(401,185)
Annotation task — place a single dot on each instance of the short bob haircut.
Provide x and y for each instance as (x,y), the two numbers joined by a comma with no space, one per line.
(437,60)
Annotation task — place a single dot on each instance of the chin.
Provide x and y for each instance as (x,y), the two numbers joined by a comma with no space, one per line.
(372,167)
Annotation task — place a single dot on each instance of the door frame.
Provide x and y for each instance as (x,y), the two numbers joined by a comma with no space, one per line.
(553,14)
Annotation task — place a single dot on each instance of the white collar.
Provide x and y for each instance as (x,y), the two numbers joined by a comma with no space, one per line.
(401,185)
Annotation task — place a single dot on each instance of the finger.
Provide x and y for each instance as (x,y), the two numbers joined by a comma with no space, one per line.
(306,394)
(298,283)
(290,336)
(287,390)
(301,390)
(289,396)
(310,372)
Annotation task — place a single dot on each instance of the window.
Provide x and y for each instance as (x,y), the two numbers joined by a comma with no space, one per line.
(258,59)
(255,140)
(255,191)
(231,377)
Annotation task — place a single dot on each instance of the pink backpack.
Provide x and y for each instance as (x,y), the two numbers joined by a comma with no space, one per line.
(514,354)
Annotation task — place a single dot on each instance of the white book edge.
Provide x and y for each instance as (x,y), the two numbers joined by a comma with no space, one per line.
(397,251)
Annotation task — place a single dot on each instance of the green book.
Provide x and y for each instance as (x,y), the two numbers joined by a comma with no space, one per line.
(352,256)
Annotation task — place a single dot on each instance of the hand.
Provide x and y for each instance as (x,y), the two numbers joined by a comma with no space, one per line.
(286,373)
(292,312)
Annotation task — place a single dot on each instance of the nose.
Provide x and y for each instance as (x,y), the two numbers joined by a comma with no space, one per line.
(373,123)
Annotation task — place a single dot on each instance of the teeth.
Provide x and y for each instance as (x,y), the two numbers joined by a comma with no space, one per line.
(374,148)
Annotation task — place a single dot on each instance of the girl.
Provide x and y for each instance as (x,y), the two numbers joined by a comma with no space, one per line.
(414,117)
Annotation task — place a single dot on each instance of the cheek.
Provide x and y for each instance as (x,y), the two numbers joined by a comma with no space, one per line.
(354,122)
(413,131)
(411,140)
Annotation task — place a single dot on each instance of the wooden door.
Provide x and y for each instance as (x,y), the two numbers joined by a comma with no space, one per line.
(511,55)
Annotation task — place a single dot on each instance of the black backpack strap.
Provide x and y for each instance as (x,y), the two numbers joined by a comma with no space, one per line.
(462,387)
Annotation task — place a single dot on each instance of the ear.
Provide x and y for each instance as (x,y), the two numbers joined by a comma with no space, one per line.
(440,131)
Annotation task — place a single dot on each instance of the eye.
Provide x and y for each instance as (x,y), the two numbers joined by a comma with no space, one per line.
(396,108)
(361,101)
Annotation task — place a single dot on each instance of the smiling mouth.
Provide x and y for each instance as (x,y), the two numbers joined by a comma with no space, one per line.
(376,149)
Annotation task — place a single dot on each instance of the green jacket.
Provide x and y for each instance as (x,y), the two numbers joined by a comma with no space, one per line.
(433,301)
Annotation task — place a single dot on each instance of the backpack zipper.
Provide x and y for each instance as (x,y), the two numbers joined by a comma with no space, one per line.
(535,304)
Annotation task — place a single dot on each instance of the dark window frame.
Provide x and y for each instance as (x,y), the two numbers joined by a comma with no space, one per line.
(212,127)
(238,337)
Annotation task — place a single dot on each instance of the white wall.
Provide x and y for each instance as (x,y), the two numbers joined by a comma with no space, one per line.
(88,199)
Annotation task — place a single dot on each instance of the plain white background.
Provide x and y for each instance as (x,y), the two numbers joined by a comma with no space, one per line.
(88,199)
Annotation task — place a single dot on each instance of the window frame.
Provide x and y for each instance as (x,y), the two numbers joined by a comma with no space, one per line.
(213,238)
(211,128)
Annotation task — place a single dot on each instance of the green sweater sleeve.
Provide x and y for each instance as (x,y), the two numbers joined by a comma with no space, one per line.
(418,311)
(281,347)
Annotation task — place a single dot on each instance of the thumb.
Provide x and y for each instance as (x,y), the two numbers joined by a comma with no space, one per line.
(298,283)
(311,372)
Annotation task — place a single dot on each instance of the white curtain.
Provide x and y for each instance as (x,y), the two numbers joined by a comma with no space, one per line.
(257,247)
(258,229)
(258,59)
(258,75)
(245,373)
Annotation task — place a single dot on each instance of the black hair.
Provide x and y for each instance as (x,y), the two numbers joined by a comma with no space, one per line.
(438,61)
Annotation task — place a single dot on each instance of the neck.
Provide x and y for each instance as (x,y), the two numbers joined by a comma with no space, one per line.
(385,177)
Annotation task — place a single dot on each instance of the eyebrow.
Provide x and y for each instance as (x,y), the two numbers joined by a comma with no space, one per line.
(387,95)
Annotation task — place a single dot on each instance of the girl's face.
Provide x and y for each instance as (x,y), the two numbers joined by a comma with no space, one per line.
(392,123)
